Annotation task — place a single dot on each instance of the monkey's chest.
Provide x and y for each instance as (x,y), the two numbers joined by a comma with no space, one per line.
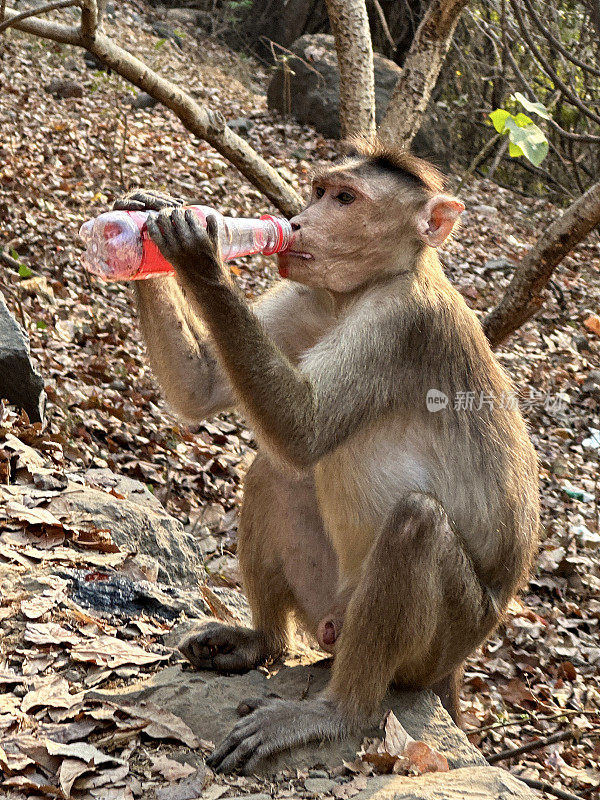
(358,486)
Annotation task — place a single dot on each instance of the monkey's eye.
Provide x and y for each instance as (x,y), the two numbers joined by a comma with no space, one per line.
(346,198)
(319,191)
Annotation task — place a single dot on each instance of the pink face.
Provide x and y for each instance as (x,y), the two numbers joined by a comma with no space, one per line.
(356,227)
(349,232)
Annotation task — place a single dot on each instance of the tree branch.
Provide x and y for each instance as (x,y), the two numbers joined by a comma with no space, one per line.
(204,123)
(524,296)
(89,19)
(33,12)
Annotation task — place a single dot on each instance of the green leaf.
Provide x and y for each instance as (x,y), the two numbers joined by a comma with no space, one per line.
(514,151)
(159,44)
(499,117)
(24,271)
(533,108)
(522,120)
(41,325)
(530,139)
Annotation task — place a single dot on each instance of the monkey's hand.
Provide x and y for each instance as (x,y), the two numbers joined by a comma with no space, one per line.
(192,250)
(140,200)
(273,725)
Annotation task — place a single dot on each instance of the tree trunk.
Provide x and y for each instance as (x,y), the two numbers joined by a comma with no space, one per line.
(420,72)
(524,296)
(350,25)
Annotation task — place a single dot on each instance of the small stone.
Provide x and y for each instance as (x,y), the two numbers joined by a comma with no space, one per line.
(143,100)
(256,796)
(319,786)
(240,124)
(490,211)
(65,87)
(318,773)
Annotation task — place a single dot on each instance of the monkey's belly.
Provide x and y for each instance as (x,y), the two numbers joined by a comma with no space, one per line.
(358,486)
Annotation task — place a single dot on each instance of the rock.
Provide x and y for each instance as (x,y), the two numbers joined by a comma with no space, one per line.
(469,783)
(136,523)
(65,87)
(486,211)
(241,124)
(253,796)
(143,100)
(20,383)
(591,385)
(319,786)
(182,16)
(120,596)
(93,62)
(314,90)
(318,773)
(207,702)
(315,84)
(164,31)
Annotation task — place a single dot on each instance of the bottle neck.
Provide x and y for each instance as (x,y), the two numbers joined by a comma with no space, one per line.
(280,234)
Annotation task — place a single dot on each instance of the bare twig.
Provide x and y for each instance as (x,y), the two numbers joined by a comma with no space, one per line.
(383,23)
(529,718)
(547,67)
(556,43)
(576,137)
(537,744)
(542,786)
(32,12)
(479,158)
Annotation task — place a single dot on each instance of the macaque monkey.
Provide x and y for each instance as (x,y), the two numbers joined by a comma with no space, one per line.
(395,532)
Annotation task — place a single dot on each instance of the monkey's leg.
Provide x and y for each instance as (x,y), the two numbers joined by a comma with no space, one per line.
(418,610)
(287,563)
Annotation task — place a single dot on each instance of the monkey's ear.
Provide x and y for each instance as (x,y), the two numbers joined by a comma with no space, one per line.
(437,218)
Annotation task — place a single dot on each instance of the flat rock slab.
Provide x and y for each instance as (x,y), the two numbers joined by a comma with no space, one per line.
(468,783)
(138,523)
(207,702)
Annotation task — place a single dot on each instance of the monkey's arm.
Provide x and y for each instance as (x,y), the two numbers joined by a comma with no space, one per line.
(183,356)
(300,413)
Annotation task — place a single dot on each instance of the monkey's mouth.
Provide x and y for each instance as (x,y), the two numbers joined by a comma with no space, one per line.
(297,254)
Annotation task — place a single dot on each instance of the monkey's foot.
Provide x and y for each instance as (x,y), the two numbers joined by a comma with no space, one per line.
(274,725)
(226,648)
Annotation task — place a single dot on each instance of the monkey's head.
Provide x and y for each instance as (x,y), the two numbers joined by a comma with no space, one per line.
(368,216)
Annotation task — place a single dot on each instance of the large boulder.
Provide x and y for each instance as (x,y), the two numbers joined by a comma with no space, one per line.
(137,522)
(207,702)
(310,91)
(20,383)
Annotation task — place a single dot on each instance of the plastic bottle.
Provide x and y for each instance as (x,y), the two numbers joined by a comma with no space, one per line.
(118,247)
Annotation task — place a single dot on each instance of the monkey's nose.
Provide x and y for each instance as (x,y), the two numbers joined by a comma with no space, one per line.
(295,226)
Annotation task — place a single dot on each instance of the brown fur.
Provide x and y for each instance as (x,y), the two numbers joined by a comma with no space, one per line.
(407,530)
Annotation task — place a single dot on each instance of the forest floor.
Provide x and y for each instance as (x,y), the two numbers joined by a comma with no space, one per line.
(65,160)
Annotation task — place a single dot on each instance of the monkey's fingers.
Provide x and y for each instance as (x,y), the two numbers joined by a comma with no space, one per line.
(238,747)
(142,200)
(162,232)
